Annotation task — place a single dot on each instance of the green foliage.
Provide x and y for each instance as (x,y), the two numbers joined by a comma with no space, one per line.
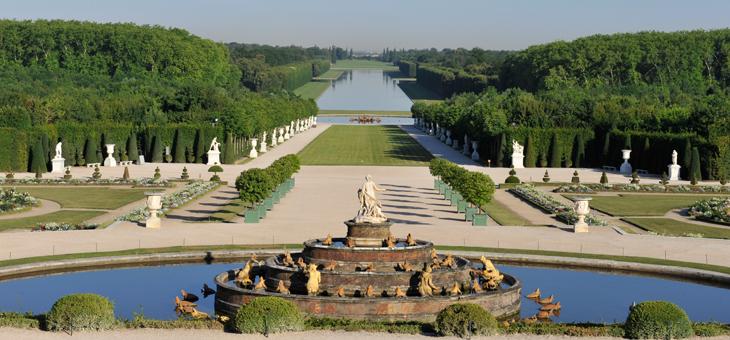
(18,320)
(125,176)
(465,320)
(215,169)
(156,151)
(13,150)
(565,329)
(657,320)
(408,68)
(695,172)
(635,177)
(546,177)
(709,329)
(199,147)
(350,325)
(476,188)
(157,174)
(229,152)
(178,149)
(604,178)
(283,168)
(530,153)
(185,174)
(268,314)
(512,178)
(254,185)
(132,148)
(97,173)
(78,312)
(575,179)
(38,161)
(555,154)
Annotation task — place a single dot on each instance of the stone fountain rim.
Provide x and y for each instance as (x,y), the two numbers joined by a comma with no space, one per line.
(420,245)
(269,262)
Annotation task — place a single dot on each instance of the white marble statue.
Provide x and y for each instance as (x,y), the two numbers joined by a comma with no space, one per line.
(674,167)
(214,145)
(518,155)
(281,136)
(58,163)
(273,138)
(371,210)
(253,153)
(475,154)
(214,152)
(58,150)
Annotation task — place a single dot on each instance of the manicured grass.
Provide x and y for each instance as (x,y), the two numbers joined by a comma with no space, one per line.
(641,205)
(87,197)
(365,112)
(503,215)
(419,93)
(331,74)
(364,145)
(363,63)
(62,216)
(312,89)
(234,208)
(670,227)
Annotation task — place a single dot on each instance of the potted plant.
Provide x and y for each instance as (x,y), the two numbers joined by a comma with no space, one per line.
(215,169)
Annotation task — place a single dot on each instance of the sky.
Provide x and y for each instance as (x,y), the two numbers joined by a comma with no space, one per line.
(372,25)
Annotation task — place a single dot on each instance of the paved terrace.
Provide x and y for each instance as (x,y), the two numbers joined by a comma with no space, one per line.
(324,197)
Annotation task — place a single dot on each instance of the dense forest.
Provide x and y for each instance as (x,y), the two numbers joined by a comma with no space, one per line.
(88,84)
(656,88)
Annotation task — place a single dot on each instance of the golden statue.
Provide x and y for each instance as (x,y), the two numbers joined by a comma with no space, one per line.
(404,267)
(491,274)
(435,264)
(410,241)
(243,277)
(434,255)
(349,243)
(390,242)
(426,286)
(370,268)
(370,292)
(455,290)
(314,278)
(331,266)
(287,261)
(341,292)
(183,307)
(399,293)
(327,241)
(254,258)
(448,261)
(261,285)
(551,306)
(475,286)
(301,264)
(547,300)
(281,288)
(196,314)
(188,296)
(535,295)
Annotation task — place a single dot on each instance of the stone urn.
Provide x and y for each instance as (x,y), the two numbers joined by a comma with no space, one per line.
(281,136)
(154,204)
(625,166)
(582,209)
(273,138)
(109,160)
(448,137)
(475,153)
(253,153)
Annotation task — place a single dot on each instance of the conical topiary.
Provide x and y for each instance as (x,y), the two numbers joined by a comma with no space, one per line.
(97,173)
(132,149)
(575,179)
(178,149)
(555,155)
(157,174)
(156,150)
(512,178)
(695,172)
(38,174)
(184,174)
(664,180)
(604,178)
(546,177)
(634,177)
(125,175)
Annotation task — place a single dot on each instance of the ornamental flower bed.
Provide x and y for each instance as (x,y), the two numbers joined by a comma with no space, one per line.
(14,200)
(716,209)
(593,187)
(171,201)
(553,206)
(137,182)
(53,226)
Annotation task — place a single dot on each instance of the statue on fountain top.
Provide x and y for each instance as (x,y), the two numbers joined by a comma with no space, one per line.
(371,210)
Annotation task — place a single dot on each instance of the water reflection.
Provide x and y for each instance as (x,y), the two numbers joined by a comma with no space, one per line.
(383,120)
(367,90)
(585,296)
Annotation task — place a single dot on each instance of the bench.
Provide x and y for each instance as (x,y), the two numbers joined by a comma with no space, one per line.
(642,172)
(92,165)
(124,163)
(609,168)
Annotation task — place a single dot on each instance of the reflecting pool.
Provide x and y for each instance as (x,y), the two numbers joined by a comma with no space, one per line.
(367,90)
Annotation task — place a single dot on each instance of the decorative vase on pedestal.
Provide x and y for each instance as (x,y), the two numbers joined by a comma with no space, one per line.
(109,160)
(154,204)
(448,137)
(281,136)
(273,138)
(475,153)
(253,153)
(582,209)
(625,166)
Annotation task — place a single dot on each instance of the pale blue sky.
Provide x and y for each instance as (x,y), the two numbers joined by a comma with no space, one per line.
(375,24)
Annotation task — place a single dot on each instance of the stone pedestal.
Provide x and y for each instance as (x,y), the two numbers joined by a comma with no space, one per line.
(448,138)
(141,161)
(273,138)
(214,157)
(253,153)
(475,153)
(582,209)
(287,136)
(281,136)
(154,204)
(368,234)
(262,147)
(518,161)
(109,160)
(673,171)
(58,165)
(626,166)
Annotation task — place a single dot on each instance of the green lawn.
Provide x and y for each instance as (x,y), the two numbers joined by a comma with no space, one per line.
(641,205)
(363,63)
(227,213)
(62,216)
(365,112)
(331,74)
(503,215)
(668,226)
(87,197)
(312,89)
(419,93)
(364,145)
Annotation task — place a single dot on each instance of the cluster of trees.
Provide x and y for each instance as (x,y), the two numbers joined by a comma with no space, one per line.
(254,185)
(665,90)
(97,77)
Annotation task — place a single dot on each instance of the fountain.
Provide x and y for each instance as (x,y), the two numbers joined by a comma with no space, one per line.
(370,274)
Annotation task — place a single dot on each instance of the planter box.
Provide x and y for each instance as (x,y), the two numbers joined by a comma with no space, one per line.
(269,203)
(261,210)
(251,216)
(479,220)
(276,196)
(470,212)
(460,206)
(436,183)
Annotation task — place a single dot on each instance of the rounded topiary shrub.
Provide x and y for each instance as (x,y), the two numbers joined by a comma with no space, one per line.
(465,320)
(268,314)
(77,312)
(657,320)
(512,178)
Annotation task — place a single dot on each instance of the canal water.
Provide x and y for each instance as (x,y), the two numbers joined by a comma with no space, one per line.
(585,295)
(367,90)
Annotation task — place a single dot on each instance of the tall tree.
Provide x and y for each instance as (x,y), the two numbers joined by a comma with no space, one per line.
(555,154)
(178,155)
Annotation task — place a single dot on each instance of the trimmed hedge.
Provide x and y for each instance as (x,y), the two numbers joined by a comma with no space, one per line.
(268,314)
(254,185)
(465,320)
(77,312)
(476,187)
(657,320)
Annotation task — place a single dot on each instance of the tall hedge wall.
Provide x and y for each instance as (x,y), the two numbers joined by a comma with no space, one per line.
(448,82)
(13,150)
(408,68)
(319,67)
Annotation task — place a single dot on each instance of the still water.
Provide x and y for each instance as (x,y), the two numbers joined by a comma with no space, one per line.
(584,295)
(367,90)
(340,120)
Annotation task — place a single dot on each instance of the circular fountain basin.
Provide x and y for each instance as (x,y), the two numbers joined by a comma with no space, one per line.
(315,251)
